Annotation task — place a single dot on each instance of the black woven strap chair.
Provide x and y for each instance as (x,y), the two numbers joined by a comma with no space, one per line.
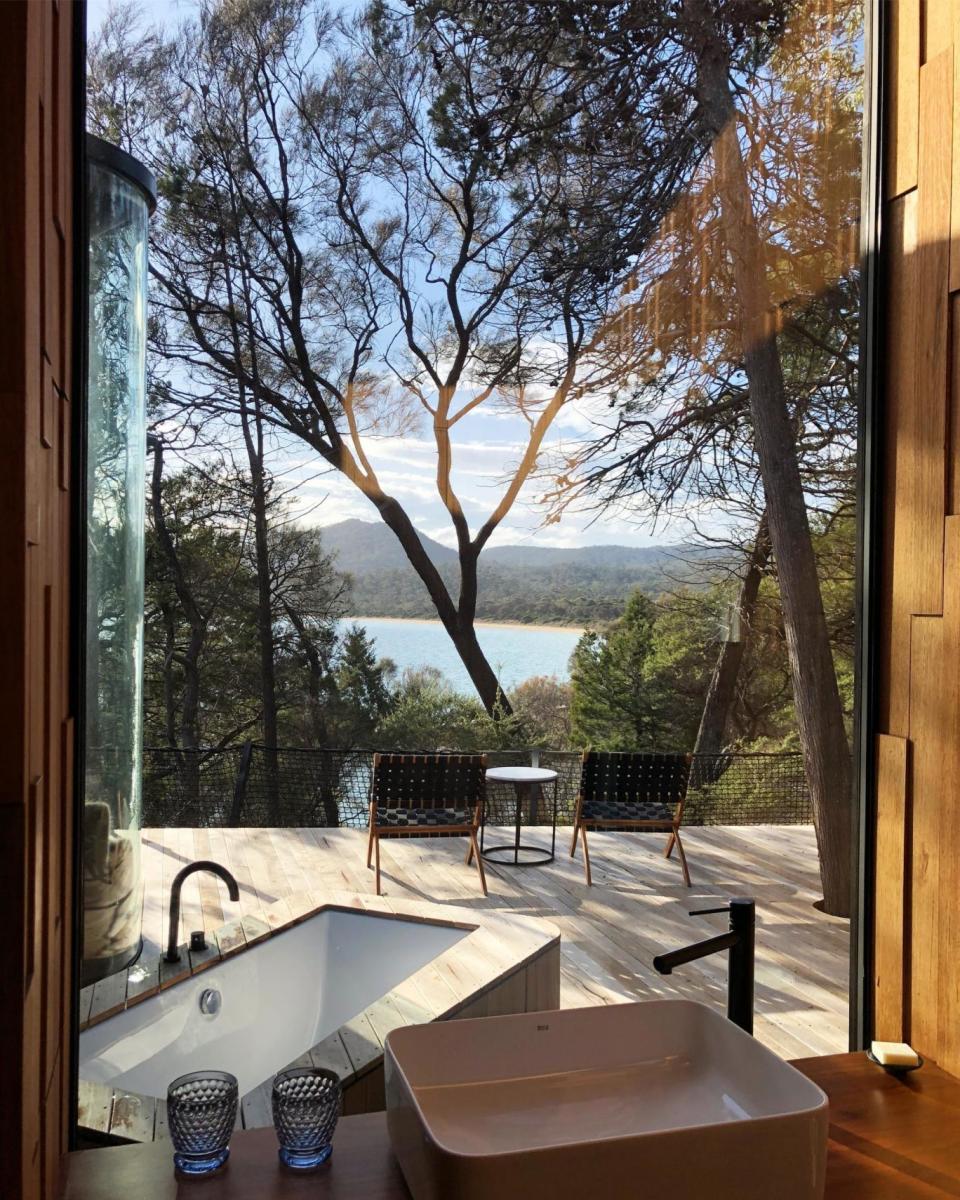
(424,795)
(632,791)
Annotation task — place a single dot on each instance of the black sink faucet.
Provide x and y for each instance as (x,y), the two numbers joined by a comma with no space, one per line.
(197,940)
(740,942)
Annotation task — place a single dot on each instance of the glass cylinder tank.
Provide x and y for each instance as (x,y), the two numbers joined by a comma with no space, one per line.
(120,198)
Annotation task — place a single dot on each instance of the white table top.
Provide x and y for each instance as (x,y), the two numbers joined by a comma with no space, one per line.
(521,775)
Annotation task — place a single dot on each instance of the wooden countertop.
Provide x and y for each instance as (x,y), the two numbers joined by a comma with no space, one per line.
(362,1168)
(890,1139)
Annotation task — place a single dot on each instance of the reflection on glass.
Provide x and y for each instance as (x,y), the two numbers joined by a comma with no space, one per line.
(115,449)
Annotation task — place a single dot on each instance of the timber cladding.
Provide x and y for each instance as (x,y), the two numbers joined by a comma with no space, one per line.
(917,923)
(37,415)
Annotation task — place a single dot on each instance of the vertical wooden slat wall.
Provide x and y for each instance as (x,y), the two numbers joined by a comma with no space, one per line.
(36,422)
(917,927)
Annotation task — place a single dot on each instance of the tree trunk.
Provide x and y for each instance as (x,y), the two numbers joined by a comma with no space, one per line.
(253,439)
(482,675)
(169,688)
(316,674)
(823,737)
(188,734)
(458,620)
(723,684)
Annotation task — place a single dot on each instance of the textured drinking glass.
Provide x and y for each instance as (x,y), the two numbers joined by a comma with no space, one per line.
(306,1108)
(201,1113)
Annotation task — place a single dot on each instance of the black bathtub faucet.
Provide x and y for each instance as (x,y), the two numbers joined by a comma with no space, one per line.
(739,941)
(197,939)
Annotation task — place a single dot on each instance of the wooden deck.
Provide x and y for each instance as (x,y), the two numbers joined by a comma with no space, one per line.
(610,932)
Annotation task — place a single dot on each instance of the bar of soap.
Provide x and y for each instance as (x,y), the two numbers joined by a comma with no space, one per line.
(895,1054)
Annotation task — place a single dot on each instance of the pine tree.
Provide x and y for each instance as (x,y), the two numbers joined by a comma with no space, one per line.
(615,702)
(364,698)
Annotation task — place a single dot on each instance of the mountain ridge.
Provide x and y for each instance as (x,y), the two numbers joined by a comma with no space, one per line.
(365,546)
(585,586)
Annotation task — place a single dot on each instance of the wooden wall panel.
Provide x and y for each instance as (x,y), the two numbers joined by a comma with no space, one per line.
(917,903)
(890,899)
(945,803)
(937,33)
(923,460)
(36,732)
(955,139)
(900,392)
(928,686)
(953,409)
(902,100)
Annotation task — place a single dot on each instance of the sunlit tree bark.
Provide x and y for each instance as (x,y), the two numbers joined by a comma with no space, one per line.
(723,683)
(816,695)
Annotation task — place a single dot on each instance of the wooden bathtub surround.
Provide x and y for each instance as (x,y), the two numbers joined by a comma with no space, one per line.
(890,1139)
(508,963)
(916,935)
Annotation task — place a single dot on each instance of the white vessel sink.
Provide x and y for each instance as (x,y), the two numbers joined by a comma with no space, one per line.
(664,1100)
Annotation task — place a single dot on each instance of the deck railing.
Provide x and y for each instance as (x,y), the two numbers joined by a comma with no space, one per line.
(257,786)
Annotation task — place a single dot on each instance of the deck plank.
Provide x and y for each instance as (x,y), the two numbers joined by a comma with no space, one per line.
(609,933)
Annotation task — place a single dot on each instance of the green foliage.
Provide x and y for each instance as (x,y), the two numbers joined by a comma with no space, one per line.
(685,643)
(363,698)
(620,698)
(201,659)
(542,703)
(220,649)
(428,714)
(640,684)
(761,788)
(561,595)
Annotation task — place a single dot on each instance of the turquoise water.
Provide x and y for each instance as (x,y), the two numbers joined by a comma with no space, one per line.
(514,651)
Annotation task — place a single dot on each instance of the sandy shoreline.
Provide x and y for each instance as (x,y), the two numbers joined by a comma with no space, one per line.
(479,624)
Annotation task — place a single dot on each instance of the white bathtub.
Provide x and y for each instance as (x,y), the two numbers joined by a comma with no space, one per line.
(278,999)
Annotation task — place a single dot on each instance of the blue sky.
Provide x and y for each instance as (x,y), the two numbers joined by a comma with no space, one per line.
(485,449)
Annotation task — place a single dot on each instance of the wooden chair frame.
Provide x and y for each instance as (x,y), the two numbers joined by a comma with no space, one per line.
(671,826)
(468,829)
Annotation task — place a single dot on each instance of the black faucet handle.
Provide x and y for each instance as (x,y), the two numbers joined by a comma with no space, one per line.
(708,912)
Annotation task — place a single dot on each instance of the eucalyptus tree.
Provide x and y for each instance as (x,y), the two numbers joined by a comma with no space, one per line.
(724,302)
(441,207)
(365,235)
(203,687)
(197,608)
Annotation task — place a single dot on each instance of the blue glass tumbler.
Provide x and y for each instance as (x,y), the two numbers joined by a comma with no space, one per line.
(306,1108)
(201,1114)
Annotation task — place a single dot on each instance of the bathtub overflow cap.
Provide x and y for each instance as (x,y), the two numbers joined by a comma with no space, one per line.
(210,1001)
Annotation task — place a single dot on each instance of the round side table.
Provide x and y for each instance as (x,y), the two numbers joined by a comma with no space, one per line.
(527,782)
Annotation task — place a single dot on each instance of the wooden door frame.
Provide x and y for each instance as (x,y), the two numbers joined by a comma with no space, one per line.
(869,526)
(78,530)
(42,249)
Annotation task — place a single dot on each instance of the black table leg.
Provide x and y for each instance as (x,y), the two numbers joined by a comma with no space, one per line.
(509,854)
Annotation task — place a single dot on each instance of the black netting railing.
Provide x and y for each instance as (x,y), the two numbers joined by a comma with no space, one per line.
(256,786)
(748,789)
(192,788)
